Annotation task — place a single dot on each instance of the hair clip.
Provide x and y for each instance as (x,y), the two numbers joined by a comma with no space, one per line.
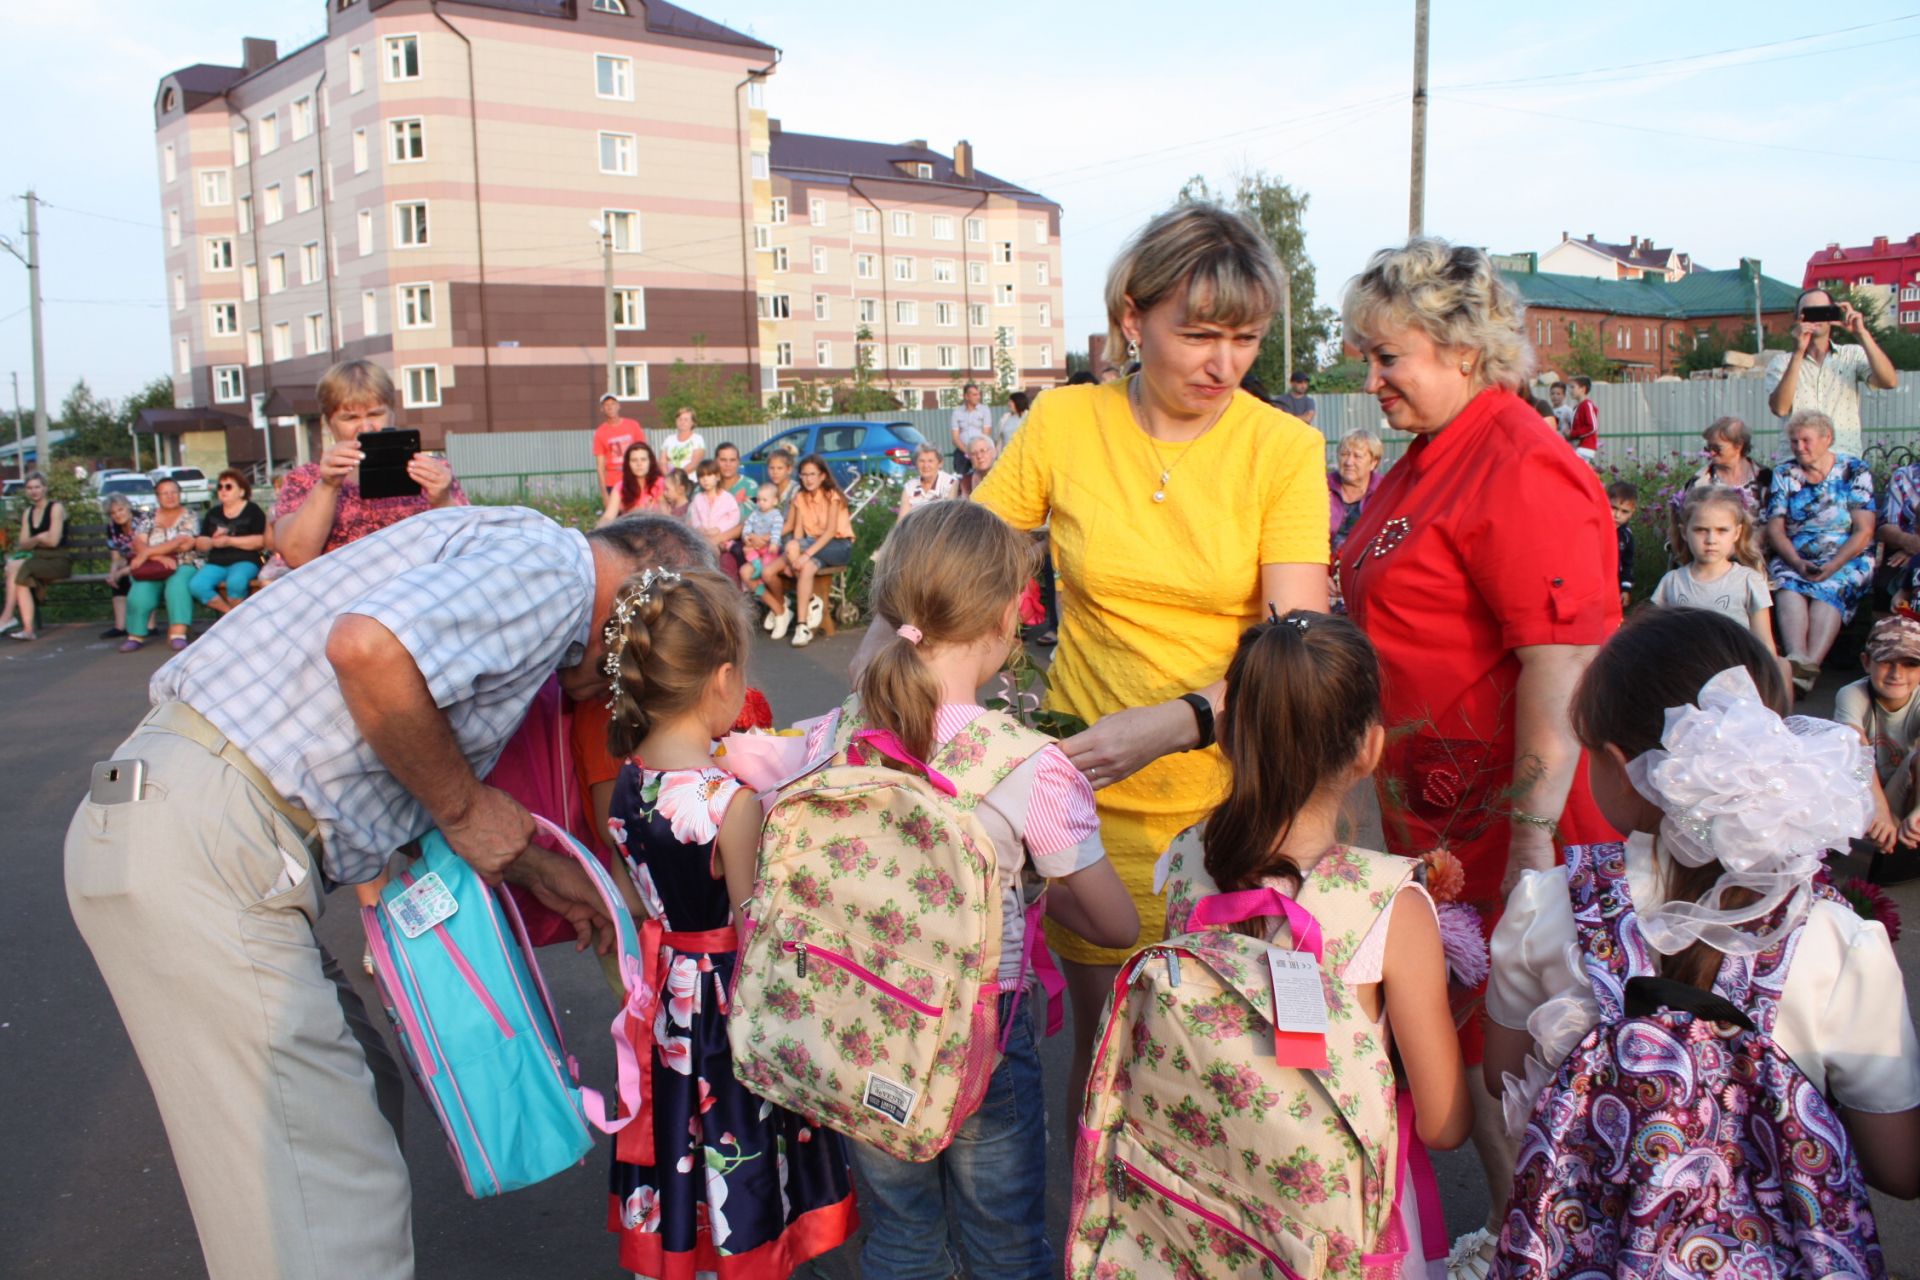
(1297,620)
(625,608)
(1273,611)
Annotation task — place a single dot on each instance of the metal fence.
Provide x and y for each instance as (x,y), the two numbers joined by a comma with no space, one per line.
(1641,419)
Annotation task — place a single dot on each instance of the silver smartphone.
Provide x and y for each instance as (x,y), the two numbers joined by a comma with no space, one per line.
(118,781)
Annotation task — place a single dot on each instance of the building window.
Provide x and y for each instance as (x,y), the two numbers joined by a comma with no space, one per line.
(822,307)
(977,230)
(415,309)
(902,223)
(256,354)
(817,212)
(403,57)
(942,227)
(865,221)
(1042,274)
(1046,353)
(943,271)
(776,306)
(819,262)
(866,266)
(613,77)
(410,224)
(173,228)
(219,253)
(624,226)
(760,166)
(300,119)
(868,310)
(903,269)
(976,273)
(780,258)
(369,313)
(779,217)
(783,355)
(303,191)
(1003,253)
(946,357)
(420,385)
(757,94)
(310,268)
(214,188)
(243,210)
(1046,316)
(610,6)
(169,164)
(363,232)
(269,133)
(823,354)
(980,356)
(406,140)
(273,210)
(359,150)
(182,356)
(977,315)
(866,355)
(229,384)
(629,309)
(356,71)
(316,327)
(762,237)
(1623,337)
(277,273)
(906,356)
(250,284)
(242,147)
(906,311)
(1040,237)
(1003,295)
(630,382)
(283,341)
(616,153)
(943,313)
(923,171)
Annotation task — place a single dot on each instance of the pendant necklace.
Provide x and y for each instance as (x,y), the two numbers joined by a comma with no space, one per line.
(1166,471)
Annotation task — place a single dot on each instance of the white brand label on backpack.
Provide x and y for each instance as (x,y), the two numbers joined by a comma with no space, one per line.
(1299,1001)
(890,1098)
(425,904)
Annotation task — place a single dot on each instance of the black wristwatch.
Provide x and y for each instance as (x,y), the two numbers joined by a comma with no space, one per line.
(1203,717)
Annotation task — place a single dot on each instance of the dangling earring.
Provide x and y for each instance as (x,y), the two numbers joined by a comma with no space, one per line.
(1133,350)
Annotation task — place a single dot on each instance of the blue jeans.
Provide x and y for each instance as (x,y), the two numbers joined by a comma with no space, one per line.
(208,577)
(995,1172)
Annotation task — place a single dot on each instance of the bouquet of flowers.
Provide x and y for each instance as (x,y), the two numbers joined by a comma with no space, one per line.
(1462,937)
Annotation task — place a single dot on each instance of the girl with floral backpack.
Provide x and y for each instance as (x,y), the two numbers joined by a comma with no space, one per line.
(1706,1054)
(1219,1137)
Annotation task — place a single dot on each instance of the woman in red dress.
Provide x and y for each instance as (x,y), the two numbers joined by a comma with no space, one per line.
(1483,570)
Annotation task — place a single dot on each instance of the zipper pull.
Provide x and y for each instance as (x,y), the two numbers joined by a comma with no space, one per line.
(799,958)
(1173,969)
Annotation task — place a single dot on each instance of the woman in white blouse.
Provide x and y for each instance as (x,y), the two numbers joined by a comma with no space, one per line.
(930,484)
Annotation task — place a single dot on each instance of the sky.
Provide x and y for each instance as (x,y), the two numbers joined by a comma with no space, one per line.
(1725,130)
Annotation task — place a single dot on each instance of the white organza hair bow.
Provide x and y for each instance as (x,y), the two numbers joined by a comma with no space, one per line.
(1766,797)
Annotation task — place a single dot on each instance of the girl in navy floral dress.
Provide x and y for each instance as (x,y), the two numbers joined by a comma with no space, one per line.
(709,1179)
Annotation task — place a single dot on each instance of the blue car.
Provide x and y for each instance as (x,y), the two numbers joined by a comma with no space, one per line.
(852,449)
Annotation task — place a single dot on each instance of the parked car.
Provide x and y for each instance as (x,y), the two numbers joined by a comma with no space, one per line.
(105,474)
(852,449)
(137,489)
(195,489)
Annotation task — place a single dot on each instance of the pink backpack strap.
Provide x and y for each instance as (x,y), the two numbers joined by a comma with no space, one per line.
(885,743)
(1249,904)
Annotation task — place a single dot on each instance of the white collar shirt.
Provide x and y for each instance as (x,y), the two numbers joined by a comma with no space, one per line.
(1830,386)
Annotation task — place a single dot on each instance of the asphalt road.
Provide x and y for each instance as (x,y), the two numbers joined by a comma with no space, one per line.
(87,1184)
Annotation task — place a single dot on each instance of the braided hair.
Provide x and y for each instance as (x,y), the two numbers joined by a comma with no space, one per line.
(666,634)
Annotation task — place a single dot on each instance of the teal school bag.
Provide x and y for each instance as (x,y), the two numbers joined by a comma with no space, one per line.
(461,985)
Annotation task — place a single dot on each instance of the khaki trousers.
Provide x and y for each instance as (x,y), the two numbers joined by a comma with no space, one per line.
(198,902)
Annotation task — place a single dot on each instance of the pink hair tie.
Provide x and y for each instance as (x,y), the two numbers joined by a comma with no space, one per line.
(910,633)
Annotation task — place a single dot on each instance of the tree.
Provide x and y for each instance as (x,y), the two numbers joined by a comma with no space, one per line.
(864,394)
(717,398)
(1078,362)
(1277,209)
(1586,356)
(94,430)
(1902,348)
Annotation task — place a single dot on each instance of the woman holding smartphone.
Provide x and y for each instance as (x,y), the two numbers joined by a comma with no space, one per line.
(320,506)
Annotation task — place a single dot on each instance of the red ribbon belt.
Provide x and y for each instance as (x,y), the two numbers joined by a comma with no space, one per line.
(634,1144)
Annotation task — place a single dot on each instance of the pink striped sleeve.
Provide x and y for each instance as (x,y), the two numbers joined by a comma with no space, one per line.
(1060,809)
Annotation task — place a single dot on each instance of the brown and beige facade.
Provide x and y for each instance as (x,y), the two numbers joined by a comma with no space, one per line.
(428,186)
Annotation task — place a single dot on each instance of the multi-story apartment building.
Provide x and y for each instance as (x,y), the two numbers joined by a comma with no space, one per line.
(953,274)
(1885,272)
(432,185)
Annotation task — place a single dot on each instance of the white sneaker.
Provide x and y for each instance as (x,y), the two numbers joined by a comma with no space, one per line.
(779,624)
(816,609)
(767,621)
(802,636)
(8,625)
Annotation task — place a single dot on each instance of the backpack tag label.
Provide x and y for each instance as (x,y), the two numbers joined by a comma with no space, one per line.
(1299,1011)
(425,904)
(890,1098)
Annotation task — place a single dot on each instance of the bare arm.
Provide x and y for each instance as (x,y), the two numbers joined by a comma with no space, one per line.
(302,536)
(1505,1055)
(1782,545)
(1545,752)
(1761,621)
(1415,988)
(1780,399)
(610,512)
(1096,905)
(739,842)
(1885,1145)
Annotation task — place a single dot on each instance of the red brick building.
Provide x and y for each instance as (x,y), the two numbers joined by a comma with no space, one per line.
(1888,267)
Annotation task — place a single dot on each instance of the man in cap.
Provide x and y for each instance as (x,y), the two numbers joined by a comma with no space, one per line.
(1885,712)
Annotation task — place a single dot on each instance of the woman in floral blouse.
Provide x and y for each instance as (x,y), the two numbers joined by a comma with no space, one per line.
(163,565)
(1820,532)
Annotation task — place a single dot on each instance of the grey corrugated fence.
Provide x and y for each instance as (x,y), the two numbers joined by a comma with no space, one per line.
(1645,419)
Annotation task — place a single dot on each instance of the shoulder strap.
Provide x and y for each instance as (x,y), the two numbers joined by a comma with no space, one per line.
(980,757)
(1756,983)
(1347,890)
(1609,933)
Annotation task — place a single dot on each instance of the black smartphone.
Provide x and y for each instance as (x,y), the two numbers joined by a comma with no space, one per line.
(383,465)
(1822,315)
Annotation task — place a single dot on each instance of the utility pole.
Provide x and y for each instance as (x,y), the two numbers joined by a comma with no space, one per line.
(1417,188)
(1286,320)
(31,260)
(606,306)
(1759,334)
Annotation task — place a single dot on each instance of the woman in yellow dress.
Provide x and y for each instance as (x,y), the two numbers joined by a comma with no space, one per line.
(1181,508)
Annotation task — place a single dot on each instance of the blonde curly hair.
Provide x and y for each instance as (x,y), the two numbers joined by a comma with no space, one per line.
(1453,294)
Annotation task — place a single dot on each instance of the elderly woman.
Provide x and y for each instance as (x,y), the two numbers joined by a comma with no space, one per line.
(1729,463)
(929,483)
(41,556)
(1162,566)
(119,539)
(1485,599)
(1355,476)
(982,454)
(1819,535)
(233,535)
(162,568)
(320,507)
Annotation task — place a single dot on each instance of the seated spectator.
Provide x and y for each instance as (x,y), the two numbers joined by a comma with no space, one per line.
(231,537)
(1624,497)
(715,516)
(1882,709)
(1898,530)
(760,536)
(162,566)
(119,553)
(819,533)
(741,487)
(981,453)
(320,508)
(929,483)
(686,448)
(780,467)
(1729,465)
(1820,531)
(41,557)
(676,494)
(641,483)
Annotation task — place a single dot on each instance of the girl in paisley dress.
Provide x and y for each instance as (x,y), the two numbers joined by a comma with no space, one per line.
(709,1180)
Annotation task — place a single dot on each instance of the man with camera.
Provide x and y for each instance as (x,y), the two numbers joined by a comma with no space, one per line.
(1820,376)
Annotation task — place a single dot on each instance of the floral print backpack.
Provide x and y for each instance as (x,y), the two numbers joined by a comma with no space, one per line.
(1677,1138)
(1199,1156)
(867,995)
